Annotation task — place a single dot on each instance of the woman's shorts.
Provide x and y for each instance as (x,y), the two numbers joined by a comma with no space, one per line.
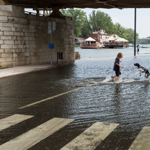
(118,73)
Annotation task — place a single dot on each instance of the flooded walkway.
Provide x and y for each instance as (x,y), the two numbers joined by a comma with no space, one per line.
(5,72)
(77,103)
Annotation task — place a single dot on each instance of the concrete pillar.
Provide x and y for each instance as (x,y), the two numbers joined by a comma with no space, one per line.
(24,38)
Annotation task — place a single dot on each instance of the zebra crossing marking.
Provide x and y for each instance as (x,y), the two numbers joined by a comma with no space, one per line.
(32,137)
(47,99)
(142,141)
(88,140)
(12,120)
(91,137)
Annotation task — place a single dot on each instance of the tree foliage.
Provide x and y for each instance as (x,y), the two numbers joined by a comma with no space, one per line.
(98,19)
(86,28)
(83,25)
(144,41)
(125,33)
(79,17)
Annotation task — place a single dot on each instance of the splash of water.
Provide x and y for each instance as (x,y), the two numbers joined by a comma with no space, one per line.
(133,75)
(128,79)
(108,80)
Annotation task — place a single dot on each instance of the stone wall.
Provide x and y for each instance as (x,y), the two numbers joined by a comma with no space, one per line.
(24,38)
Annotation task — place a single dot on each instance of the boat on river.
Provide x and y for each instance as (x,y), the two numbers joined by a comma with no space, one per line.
(89,43)
(99,39)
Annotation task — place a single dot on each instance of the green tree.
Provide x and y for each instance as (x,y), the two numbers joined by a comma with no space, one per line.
(98,19)
(86,29)
(78,17)
(128,34)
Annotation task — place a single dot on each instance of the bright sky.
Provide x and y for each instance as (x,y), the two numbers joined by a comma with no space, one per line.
(126,18)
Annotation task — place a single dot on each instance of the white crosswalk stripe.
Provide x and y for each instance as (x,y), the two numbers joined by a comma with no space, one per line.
(142,141)
(91,137)
(32,137)
(88,140)
(12,120)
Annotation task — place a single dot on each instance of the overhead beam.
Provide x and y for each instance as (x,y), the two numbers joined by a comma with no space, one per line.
(78,3)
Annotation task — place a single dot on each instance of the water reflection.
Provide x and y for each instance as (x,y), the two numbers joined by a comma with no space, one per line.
(100,99)
(117,98)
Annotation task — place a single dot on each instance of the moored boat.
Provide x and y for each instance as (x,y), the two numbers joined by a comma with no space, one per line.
(89,43)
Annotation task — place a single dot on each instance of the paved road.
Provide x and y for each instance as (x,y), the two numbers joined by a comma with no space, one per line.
(54,110)
(56,130)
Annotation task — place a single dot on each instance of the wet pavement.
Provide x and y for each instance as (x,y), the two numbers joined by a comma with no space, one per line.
(85,93)
(5,72)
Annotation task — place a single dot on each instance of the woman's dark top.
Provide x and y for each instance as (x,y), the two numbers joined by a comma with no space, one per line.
(116,67)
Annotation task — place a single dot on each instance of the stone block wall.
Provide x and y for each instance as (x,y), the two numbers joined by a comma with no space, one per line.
(24,38)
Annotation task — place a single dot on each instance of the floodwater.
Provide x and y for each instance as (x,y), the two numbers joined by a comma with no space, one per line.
(97,98)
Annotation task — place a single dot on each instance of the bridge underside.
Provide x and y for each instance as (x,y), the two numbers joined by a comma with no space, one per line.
(78,3)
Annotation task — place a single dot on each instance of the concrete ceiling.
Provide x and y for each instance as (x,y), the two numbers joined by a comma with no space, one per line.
(79,3)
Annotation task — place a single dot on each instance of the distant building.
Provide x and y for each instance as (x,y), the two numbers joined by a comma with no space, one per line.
(95,37)
(99,34)
(89,43)
(100,39)
(78,40)
(98,31)
(105,36)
